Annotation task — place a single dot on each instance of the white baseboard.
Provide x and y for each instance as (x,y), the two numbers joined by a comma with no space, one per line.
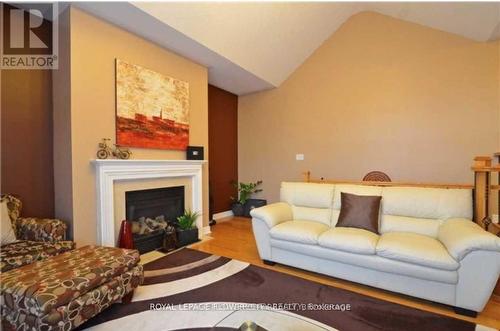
(223,214)
(206,230)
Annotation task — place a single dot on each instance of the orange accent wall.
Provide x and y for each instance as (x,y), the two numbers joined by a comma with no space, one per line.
(223,147)
(26,139)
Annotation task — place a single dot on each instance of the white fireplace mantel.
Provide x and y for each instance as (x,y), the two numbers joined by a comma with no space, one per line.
(109,171)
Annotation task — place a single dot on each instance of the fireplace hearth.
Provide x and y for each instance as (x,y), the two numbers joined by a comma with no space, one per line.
(151,211)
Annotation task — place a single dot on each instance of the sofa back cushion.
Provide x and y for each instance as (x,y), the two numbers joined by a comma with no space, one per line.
(424,226)
(323,215)
(422,210)
(403,208)
(437,203)
(309,201)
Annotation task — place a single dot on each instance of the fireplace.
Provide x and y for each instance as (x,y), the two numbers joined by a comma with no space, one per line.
(150,211)
(111,172)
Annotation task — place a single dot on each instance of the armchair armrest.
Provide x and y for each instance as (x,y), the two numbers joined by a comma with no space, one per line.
(40,229)
(273,214)
(461,236)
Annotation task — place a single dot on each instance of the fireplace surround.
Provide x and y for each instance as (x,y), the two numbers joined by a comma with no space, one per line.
(110,171)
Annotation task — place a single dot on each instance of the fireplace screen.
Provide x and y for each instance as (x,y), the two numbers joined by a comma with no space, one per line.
(151,211)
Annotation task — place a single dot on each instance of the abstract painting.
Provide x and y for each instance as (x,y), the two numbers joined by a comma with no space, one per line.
(152,110)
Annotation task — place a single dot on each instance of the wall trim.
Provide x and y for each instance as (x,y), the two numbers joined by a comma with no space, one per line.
(223,214)
(206,230)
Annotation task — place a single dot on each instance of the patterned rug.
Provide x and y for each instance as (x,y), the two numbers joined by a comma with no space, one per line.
(192,290)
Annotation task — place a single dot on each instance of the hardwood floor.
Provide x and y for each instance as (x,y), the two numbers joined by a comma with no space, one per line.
(233,238)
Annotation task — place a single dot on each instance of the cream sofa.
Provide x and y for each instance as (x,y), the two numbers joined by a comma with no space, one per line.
(428,246)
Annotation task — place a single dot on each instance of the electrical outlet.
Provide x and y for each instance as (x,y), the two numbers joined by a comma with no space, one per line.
(299,157)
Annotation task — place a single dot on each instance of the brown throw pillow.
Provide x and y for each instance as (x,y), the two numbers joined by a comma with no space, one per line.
(359,211)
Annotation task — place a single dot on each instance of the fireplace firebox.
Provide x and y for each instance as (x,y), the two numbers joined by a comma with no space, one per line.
(150,211)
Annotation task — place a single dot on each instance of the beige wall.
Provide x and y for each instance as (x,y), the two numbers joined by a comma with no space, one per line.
(379,94)
(95,45)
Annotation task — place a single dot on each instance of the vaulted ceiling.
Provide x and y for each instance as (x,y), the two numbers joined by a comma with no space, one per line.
(249,47)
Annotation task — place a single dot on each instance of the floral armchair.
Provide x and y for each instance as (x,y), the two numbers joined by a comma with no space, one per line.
(37,238)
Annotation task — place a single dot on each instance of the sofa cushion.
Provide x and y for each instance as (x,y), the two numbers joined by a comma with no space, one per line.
(415,248)
(305,232)
(434,203)
(351,240)
(424,226)
(322,215)
(374,262)
(358,211)
(310,195)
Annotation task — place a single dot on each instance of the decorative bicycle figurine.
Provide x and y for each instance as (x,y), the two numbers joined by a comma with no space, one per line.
(105,151)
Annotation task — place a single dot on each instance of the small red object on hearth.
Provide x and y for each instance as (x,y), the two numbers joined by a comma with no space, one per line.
(125,239)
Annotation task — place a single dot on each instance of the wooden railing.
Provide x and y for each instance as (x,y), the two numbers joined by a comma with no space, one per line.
(308,178)
(484,189)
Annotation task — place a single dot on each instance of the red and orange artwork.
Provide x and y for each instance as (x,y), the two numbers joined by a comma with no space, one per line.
(152,110)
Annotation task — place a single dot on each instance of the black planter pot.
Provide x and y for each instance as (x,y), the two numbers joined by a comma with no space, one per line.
(186,237)
(238,209)
(251,204)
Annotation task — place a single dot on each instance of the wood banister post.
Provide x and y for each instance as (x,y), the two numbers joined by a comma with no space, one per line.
(481,188)
(307,176)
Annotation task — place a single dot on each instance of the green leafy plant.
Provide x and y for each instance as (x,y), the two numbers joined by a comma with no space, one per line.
(245,191)
(188,220)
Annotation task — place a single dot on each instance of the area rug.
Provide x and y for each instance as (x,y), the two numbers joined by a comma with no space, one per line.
(192,290)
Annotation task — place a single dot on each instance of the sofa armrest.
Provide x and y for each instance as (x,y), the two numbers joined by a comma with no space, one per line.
(40,229)
(273,214)
(462,236)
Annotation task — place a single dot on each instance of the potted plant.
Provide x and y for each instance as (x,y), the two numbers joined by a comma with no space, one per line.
(245,191)
(187,232)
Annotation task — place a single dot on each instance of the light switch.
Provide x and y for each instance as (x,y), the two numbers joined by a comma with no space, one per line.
(299,157)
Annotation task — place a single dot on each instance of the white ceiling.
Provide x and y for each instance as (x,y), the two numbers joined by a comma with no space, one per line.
(268,39)
(249,47)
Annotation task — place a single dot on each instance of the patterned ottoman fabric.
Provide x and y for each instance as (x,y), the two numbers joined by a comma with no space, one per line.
(24,252)
(78,310)
(43,286)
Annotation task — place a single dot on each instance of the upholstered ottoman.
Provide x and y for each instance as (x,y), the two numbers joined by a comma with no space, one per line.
(64,291)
